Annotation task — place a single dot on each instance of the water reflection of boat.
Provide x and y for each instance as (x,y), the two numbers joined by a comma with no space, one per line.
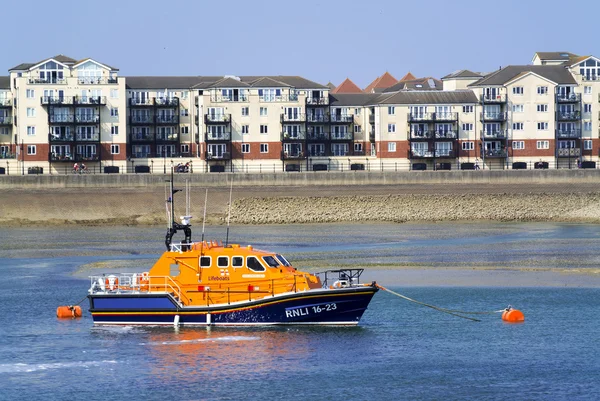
(210,283)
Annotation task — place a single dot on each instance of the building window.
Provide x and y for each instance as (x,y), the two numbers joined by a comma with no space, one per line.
(245,148)
(185,148)
(115,149)
(518,108)
(114,112)
(542,90)
(263,129)
(518,145)
(391,110)
(357,129)
(468,146)
(31,149)
(30,93)
(587,125)
(264,148)
(245,129)
(263,111)
(543,145)
(517,126)
(391,146)
(587,108)
(357,111)
(542,108)
(542,126)
(31,112)
(114,93)
(467,109)
(467,127)
(185,112)
(587,90)
(358,147)
(184,94)
(518,90)
(587,144)
(185,129)
(114,130)
(30,130)
(245,111)
(392,128)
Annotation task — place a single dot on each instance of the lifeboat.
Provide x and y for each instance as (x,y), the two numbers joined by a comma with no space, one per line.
(211,283)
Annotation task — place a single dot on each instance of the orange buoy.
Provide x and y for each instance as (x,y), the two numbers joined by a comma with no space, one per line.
(513,316)
(68,312)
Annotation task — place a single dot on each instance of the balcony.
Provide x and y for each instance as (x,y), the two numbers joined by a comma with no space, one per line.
(4,103)
(573,152)
(293,155)
(342,136)
(568,116)
(341,119)
(294,136)
(86,157)
(317,136)
(590,78)
(489,135)
(317,101)
(88,137)
(56,100)
(280,98)
(217,136)
(418,117)
(493,99)
(489,116)
(446,134)
(431,154)
(57,157)
(167,137)
(6,120)
(141,119)
(141,102)
(573,133)
(166,102)
(445,116)
(47,81)
(96,81)
(494,153)
(89,100)
(219,98)
(293,118)
(87,119)
(217,118)
(60,118)
(218,156)
(421,135)
(317,118)
(169,119)
(142,137)
(63,137)
(568,97)
(7,155)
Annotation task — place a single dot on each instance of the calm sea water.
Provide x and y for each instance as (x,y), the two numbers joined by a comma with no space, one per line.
(399,351)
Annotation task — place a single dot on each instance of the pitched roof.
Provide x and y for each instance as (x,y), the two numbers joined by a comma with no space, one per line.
(268,82)
(352,99)
(330,85)
(463,74)
(61,58)
(555,73)
(555,56)
(428,97)
(407,77)
(206,82)
(382,82)
(162,82)
(229,82)
(4,82)
(347,87)
(96,61)
(420,84)
(578,60)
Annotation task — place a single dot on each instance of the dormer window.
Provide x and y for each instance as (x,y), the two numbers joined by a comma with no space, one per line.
(51,72)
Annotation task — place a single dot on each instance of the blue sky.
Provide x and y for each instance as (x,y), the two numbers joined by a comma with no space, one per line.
(318,39)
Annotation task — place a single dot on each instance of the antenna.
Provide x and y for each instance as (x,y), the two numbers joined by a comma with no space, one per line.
(204,218)
(229,213)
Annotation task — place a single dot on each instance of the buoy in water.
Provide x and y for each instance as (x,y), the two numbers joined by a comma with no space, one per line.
(68,312)
(511,315)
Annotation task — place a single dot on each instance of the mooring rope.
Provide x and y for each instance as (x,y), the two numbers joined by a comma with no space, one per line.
(82,299)
(453,312)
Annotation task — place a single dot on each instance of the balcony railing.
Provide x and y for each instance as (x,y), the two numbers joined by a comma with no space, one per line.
(47,81)
(61,118)
(172,137)
(281,98)
(134,101)
(568,133)
(342,136)
(342,119)
(421,135)
(172,119)
(317,101)
(6,102)
(87,119)
(445,116)
(86,157)
(493,116)
(142,137)
(317,118)
(317,136)
(141,119)
(590,77)
(496,153)
(56,100)
(497,98)
(167,101)
(88,137)
(430,154)
(217,118)
(412,117)
(572,152)
(218,98)
(8,155)
(57,157)
(53,137)
(568,115)
(218,156)
(292,155)
(89,100)
(96,80)
(568,97)
(6,120)
(293,118)
(296,136)
(446,134)
(217,136)
(501,134)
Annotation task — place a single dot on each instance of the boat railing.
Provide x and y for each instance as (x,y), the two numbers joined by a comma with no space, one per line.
(135,283)
(181,247)
(340,277)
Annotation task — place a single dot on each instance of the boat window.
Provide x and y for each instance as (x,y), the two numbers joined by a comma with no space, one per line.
(271,261)
(223,261)
(205,261)
(283,260)
(254,264)
(237,261)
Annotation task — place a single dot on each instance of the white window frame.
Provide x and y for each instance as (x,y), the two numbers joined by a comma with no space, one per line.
(542,145)
(518,145)
(518,90)
(115,149)
(468,109)
(542,126)
(114,112)
(30,93)
(185,148)
(391,128)
(357,129)
(542,90)
(245,111)
(114,93)
(468,145)
(264,129)
(391,110)
(518,126)
(245,148)
(467,127)
(264,112)
(518,108)
(264,148)
(542,108)
(391,147)
(114,130)
(587,125)
(31,130)
(587,144)
(587,90)
(31,150)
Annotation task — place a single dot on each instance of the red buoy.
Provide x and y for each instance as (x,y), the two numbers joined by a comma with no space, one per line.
(68,312)
(511,315)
